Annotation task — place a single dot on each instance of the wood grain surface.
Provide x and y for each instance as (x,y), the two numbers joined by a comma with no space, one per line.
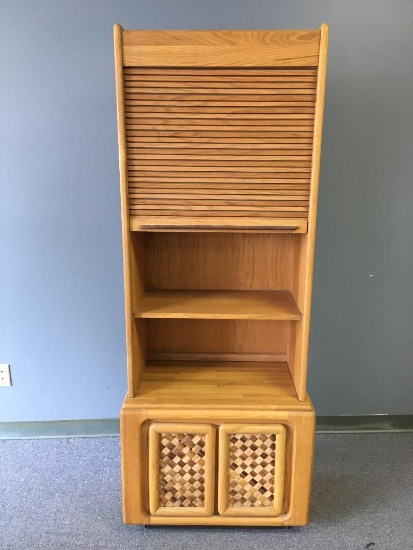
(275,305)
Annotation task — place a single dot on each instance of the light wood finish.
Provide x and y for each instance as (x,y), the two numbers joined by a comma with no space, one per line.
(185,73)
(132,246)
(218,336)
(217,356)
(219,149)
(157,108)
(134,458)
(217,385)
(207,224)
(299,456)
(303,284)
(273,305)
(273,475)
(221,48)
(225,261)
(155,430)
(282,140)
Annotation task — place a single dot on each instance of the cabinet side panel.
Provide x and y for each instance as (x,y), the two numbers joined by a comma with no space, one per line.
(134,453)
(302,289)
(132,251)
(302,468)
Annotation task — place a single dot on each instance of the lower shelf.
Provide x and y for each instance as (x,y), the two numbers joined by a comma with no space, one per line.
(214,384)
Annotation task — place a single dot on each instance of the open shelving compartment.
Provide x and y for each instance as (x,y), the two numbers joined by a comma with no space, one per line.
(218,315)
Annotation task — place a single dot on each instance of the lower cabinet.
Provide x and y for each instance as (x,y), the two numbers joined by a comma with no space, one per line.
(222,471)
(248,479)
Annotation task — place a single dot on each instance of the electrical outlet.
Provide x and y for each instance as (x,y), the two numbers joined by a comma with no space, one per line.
(5,379)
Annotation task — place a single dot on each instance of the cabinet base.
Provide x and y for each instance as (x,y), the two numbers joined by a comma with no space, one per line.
(174,478)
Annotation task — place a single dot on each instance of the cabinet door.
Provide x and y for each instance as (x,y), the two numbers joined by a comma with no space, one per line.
(251,469)
(181,469)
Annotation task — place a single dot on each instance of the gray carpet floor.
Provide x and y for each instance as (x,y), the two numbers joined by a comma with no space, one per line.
(65,494)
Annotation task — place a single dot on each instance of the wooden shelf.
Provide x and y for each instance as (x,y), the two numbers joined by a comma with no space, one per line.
(218,385)
(218,224)
(275,305)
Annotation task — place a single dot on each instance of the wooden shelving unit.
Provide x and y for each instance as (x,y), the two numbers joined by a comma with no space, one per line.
(220,142)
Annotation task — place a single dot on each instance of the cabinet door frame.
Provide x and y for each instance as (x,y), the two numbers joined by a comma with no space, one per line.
(155,430)
(223,469)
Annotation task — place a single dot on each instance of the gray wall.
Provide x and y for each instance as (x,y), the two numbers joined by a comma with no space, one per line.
(62,325)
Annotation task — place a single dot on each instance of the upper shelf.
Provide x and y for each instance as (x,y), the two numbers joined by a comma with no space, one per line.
(218,224)
(278,305)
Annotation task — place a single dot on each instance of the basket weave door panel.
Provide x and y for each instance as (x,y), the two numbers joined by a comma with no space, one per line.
(181,458)
(251,474)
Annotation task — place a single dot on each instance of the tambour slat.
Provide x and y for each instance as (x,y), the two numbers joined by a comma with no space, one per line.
(225,143)
(241,191)
(205,154)
(237,188)
(208,153)
(224,136)
(218,201)
(307,91)
(235,168)
(145,197)
(257,118)
(221,165)
(217,124)
(190,156)
(219,142)
(204,86)
(236,126)
(225,112)
(157,178)
(213,104)
(137,97)
(225,213)
(227,207)
(268,79)
(146,189)
(245,72)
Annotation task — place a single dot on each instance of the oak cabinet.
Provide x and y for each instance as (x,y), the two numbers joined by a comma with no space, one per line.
(215,468)
(219,154)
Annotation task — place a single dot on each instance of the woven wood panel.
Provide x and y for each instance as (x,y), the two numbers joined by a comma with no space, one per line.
(219,142)
(181,470)
(251,470)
